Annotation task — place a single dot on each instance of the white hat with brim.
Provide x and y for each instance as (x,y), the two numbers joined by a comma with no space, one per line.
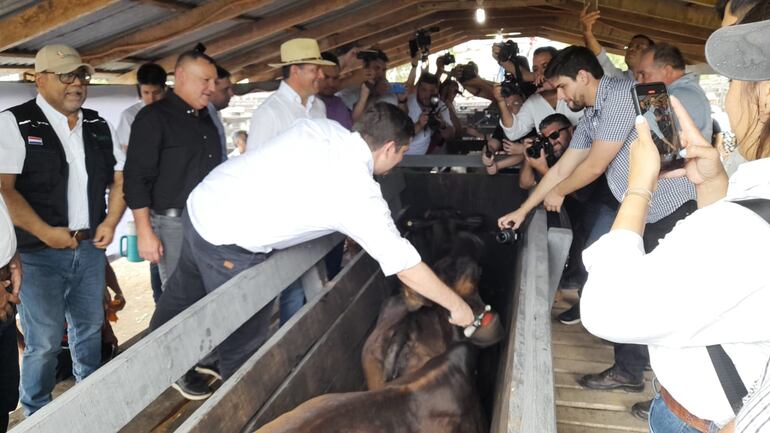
(299,51)
(59,59)
(741,52)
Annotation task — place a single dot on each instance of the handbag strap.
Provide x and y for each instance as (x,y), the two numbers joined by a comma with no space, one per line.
(731,381)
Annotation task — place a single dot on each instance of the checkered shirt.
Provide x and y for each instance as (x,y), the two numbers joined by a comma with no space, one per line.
(612,119)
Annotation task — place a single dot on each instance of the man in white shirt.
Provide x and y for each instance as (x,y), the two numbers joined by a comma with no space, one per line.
(220,99)
(295,98)
(10,284)
(342,196)
(151,87)
(636,46)
(421,109)
(58,162)
(538,106)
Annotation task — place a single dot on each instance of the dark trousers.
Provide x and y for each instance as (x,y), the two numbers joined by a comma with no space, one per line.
(9,371)
(632,358)
(202,269)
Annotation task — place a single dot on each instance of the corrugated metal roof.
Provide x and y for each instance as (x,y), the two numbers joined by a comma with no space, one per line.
(188,40)
(101,26)
(10,7)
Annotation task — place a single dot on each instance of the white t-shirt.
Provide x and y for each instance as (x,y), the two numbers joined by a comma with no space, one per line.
(421,140)
(700,286)
(126,120)
(532,112)
(7,235)
(14,150)
(312,180)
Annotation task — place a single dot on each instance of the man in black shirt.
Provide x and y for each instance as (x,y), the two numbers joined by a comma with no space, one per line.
(174,144)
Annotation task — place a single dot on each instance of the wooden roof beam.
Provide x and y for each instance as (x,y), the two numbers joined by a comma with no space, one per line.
(353,26)
(251,33)
(200,17)
(676,12)
(45,17)
(488,4)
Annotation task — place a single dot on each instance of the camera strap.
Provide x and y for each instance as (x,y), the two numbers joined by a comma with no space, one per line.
(732,384)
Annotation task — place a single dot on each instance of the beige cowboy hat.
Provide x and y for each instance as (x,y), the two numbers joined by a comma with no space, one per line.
(300,50)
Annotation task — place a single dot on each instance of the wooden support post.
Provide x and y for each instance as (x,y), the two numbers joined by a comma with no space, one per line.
(45,17)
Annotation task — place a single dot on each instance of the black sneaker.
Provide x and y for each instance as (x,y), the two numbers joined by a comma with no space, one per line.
(641,410)
(571,316)
(192,386)
(611,378)
(211,369)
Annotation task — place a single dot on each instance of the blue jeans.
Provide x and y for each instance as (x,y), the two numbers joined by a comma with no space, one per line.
(599,217)
(292,298)
(662,420)
(58,286)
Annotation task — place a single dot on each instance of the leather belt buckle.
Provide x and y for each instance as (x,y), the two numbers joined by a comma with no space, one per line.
(683,414)
(171,212)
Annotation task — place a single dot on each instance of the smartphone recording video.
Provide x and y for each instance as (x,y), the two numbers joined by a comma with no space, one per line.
(592,5)
(651,101)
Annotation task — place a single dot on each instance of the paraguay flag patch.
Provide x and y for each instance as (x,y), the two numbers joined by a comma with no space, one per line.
(34,141)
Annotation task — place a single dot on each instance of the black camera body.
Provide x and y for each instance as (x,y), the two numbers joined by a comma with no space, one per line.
(434,124)
(422,42)
(367,55)
(448,58)
(510,86)
(542,143)
(508,51)
(507,236)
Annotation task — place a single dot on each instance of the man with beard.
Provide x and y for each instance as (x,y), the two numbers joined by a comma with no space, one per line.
(420,109)
(636,46)
(58,162)
(601,144)
(301,64)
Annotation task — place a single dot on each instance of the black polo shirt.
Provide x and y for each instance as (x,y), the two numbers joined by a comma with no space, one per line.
(171,149)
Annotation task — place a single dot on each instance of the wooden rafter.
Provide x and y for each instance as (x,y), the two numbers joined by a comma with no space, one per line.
(198,18)
(45,17)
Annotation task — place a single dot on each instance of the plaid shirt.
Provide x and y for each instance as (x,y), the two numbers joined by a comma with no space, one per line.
(612,119)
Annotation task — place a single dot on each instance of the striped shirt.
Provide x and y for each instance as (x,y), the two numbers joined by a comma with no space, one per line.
(754,417)
(612,119)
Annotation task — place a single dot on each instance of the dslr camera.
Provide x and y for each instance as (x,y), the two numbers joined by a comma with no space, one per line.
(542,143)
(508,51)
(448,58)
(367,55)
(510,86)
(434,124)
(421,43)
(507,236)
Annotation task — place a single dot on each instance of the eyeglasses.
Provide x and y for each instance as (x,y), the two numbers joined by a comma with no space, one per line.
(555,134)
(69,77)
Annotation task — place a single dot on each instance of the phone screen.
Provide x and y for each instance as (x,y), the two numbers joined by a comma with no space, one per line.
(592,5)
(652,102)
(397,88)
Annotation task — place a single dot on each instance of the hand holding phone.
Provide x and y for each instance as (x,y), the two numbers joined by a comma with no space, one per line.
(652,102)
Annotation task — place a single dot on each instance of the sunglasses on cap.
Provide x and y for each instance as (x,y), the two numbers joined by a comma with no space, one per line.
(555,134)
(69,77)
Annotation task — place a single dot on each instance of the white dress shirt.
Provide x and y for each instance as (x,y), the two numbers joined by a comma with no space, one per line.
(706,283)
(310,181)
(421,140)
(279,111)
(754,416)
(14,151)
(7,235)
(126,120)
(532,112)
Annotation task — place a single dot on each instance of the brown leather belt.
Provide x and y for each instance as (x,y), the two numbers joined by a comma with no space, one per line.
(81,235)
(683,414)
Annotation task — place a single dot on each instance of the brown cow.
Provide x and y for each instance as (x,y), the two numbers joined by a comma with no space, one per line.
(410,331)
(437,398)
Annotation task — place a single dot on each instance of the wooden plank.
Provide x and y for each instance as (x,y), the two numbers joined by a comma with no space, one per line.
(600,419)
(205,15)
(251,386)
(122,388)
(595,354)
(571,428)
(322,366)
(586,339)
(585,367)
(600,400)
(351,27)
(569,380)
(45,17)
(252,33)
